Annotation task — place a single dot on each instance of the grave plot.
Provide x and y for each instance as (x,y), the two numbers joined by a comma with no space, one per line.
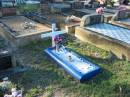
(76,65)
(107,15)
(79,67)
(121,18)
(63,21)
(19,30)
(60,13)
(75,12)
(100,33)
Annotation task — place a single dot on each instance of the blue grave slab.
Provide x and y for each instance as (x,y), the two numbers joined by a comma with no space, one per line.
(79,67)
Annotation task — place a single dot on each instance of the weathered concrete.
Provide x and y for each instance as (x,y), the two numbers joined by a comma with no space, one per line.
(71,28)
(120,23)
(60,19)
(12,30)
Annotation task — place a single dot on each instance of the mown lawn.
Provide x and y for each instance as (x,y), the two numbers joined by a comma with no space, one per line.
(46,79)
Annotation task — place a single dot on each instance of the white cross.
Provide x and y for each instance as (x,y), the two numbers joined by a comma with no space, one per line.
(52,34)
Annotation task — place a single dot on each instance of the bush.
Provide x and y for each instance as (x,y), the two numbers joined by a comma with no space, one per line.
(32,93)
(1,92)
(28,8)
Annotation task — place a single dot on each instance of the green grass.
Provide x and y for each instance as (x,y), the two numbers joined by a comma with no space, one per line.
(28,8)
(46,78)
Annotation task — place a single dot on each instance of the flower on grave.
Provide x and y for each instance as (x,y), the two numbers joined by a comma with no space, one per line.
(99,10)
(57,39)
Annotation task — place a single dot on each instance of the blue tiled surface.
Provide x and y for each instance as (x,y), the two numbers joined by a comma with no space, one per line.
(112,31)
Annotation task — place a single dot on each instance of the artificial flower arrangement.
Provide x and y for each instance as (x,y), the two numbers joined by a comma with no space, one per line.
(58,41)
(100,10)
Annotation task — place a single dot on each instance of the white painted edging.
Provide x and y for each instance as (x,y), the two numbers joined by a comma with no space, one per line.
(50,34)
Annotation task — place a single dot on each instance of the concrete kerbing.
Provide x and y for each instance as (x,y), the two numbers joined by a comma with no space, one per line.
(90,19)
(13,31)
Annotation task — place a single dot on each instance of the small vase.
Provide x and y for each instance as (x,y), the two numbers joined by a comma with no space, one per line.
(70,58)
(57,47)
